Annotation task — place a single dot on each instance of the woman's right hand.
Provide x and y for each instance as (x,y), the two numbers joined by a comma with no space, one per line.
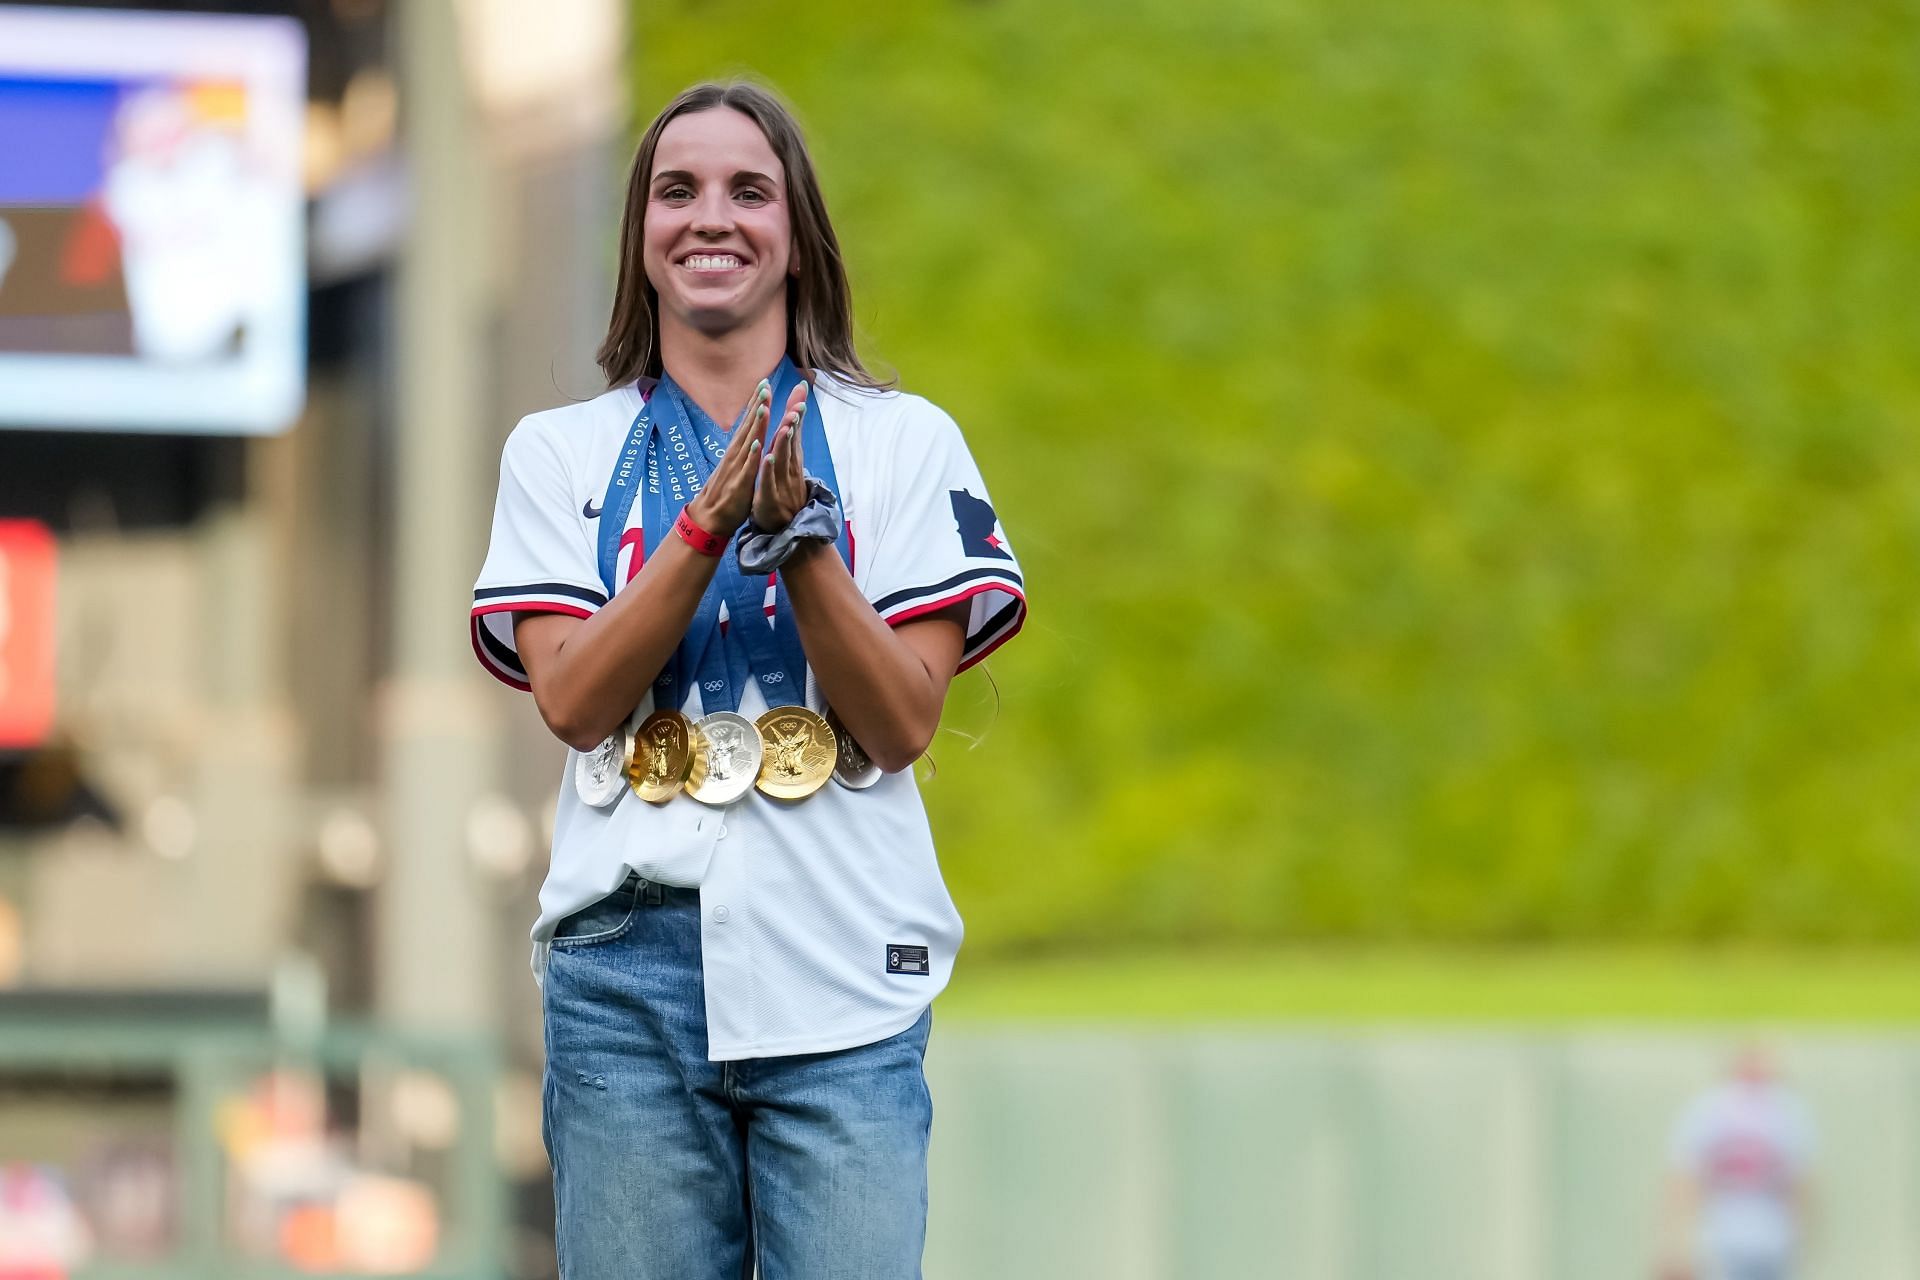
(722,506)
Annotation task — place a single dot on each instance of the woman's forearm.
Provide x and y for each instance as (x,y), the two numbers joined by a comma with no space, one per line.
(589,674)
(883,689)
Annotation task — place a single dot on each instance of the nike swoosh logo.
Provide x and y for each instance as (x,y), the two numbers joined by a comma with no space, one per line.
(590,511)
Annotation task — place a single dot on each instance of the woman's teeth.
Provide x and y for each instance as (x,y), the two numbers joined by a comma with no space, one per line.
(711,262)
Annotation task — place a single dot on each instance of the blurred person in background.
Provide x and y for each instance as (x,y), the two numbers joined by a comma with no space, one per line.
(42,1235)
(1738,1199)
(744,924)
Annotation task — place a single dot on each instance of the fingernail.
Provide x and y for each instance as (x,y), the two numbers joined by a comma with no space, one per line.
(802,413)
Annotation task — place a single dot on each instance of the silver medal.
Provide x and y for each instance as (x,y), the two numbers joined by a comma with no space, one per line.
(852,768)
(726,758)
(600,775)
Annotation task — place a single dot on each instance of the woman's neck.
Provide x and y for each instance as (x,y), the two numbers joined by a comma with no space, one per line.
(721,371)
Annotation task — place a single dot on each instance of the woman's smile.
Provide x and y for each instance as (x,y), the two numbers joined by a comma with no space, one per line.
(713,266)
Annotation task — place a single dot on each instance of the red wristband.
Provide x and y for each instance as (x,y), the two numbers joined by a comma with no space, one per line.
(707,544)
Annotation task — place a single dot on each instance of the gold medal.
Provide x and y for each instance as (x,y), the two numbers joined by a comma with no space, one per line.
(662,750)
(799,750)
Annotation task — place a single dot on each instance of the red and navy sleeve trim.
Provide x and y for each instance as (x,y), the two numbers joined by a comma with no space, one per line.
(491,621)
(557,592)
(888,605)
(999,608)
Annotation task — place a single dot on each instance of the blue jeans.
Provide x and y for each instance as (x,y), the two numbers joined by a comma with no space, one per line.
(669,1167)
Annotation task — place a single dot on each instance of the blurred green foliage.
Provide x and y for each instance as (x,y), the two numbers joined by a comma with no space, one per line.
(1462,457)
(1560,983)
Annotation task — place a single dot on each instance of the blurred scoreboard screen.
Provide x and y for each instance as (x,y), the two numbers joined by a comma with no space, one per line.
(152,269)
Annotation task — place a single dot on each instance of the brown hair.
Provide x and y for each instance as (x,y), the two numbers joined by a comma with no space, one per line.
(819,302)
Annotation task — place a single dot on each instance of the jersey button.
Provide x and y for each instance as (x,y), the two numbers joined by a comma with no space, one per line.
(720,914)
(723,831)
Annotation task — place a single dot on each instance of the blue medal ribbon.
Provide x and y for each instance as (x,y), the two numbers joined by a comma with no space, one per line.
(670,453)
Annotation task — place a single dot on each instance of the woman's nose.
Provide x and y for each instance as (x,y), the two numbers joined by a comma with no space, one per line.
(713,212)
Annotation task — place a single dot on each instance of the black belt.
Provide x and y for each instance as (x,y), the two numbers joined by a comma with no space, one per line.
(656,893)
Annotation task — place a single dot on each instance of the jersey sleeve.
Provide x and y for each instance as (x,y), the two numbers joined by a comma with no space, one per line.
(540,558)
(939,541)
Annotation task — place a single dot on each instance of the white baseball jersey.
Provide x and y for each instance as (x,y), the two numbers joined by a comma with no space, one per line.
(1746,1144)
(824,923)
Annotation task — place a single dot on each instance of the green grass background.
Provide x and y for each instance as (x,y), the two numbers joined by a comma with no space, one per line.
(1462,456)
(1534,987)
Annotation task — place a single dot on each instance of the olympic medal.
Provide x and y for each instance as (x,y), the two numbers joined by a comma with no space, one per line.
(662,755)
(799,753)
(597,774)
(853,768)
(726,758)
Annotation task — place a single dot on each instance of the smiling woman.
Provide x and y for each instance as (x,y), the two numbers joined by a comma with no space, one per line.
(753,160)
(738,584)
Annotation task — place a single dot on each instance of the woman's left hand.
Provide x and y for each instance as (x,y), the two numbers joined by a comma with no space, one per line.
(782,487)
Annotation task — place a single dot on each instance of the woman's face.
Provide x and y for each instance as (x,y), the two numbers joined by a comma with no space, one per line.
(717,242)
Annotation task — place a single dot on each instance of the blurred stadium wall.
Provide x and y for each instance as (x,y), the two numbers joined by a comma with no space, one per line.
(1379,1154)
(276,788)
(265,724)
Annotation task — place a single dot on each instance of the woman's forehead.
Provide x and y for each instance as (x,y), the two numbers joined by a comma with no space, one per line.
(716,143)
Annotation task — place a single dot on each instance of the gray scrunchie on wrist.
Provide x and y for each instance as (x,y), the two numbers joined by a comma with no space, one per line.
(819,521)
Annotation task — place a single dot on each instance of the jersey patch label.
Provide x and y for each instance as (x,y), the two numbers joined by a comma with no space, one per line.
(979,527)
(905,959)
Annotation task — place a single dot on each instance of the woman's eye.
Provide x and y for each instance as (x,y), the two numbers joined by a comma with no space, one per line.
(751,196)
(676,193)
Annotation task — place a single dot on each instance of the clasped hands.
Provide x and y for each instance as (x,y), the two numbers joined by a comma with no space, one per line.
(769,483)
